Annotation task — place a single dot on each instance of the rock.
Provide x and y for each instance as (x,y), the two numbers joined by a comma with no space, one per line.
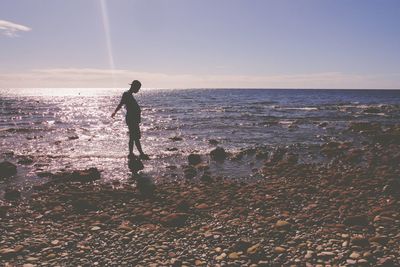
(356,220)
(233,256)
(135,164)
(392,187)
(12,194)
(242,245)
(355,256)
(194,159)
(213,142)
(189,172)
(25,160)
(279,250)
(183,206)
(83,205)
(253,249)
(379,239)
(7,169)
(95,228)
(10,252)
(175,219)
(326,254)
(202,206)
(386,262)
(323,124)
(206,178)
(199,262)
(176,138)
(220,257)
(3,211)
(218,154)
(360,241)
(73,137)
(282,225)
(372,110)
(365,127)
(82,176)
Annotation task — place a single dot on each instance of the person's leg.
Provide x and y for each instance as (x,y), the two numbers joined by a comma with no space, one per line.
(139,146)
(131,141)
(137,135)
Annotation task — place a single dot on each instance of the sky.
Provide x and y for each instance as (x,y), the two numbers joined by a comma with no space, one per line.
(349,44)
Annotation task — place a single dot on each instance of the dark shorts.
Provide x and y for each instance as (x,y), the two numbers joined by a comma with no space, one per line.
(134,130)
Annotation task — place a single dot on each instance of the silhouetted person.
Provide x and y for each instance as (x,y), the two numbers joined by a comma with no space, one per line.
(132,118)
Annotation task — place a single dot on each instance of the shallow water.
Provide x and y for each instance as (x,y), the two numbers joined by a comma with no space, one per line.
(72,128)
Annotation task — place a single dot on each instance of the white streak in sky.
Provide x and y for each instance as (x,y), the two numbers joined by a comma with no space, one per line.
(106,25)
(10,29)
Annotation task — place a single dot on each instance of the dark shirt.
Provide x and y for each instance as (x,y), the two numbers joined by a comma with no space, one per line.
(132,108)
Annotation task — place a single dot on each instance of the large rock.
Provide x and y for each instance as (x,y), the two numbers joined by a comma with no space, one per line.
(82,176)
(194,159)
(175,219)
(7,169)
(356,220)
(12,194)
(218,154)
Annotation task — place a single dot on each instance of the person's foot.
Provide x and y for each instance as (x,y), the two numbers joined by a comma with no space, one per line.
(144,157)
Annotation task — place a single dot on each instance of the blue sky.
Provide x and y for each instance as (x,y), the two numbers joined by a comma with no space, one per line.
(196,44)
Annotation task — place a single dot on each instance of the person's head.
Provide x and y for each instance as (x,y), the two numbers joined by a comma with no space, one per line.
(135,86)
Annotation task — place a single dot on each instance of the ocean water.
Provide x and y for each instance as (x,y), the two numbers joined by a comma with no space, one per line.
(72,128)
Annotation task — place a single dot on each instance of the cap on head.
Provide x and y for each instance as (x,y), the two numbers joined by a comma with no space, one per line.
(135,86)
(135,83)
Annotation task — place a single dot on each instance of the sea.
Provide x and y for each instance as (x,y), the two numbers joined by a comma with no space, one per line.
(63,129)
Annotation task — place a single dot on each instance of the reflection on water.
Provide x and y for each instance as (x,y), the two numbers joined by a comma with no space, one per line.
(72,128)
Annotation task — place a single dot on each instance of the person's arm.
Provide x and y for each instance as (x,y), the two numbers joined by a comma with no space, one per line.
(121,103)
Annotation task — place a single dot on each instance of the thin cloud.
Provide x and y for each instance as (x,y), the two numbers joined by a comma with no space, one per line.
(91,77)
(11,29)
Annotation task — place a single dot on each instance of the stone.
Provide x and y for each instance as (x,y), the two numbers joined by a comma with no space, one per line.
(202,206)
(213,142)
(242,244)
(176,138)
(175,219)
(83,205)
(194,159)
(253,249)
(82,176)
(221,257)
(282,225)
(218,154)
(12,194)
(233,256)
(189,172)
(379,239)
(7,169)
(279,250)
(360,241)
(25,160)
(95,228)
(356,220)
(354,255)
(326,254)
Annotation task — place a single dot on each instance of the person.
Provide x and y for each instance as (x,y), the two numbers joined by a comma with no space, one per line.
(133,118)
